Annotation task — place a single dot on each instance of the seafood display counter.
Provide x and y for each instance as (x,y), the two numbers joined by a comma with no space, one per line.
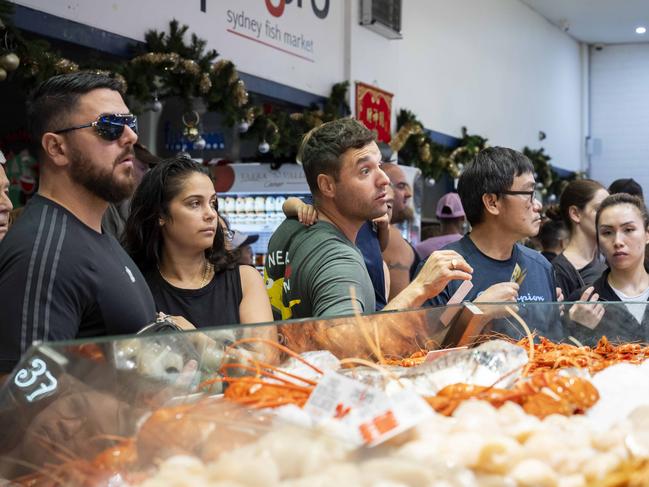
(540,394)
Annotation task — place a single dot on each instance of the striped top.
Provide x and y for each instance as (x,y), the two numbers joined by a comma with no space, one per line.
(60,279)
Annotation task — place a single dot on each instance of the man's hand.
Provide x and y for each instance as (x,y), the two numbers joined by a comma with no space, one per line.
(588,315)
(442,267)
(383,231)
(382,222)
(503,291)
(560,299)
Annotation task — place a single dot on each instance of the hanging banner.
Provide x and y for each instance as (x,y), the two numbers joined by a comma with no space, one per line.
(299,43)
(374,109)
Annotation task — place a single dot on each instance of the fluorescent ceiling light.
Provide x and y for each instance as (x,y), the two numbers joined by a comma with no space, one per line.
(640,30)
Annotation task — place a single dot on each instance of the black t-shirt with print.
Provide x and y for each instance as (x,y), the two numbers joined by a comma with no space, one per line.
(60,280)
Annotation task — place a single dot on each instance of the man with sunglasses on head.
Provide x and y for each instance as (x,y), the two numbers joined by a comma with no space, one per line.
(497,191)
(60,276)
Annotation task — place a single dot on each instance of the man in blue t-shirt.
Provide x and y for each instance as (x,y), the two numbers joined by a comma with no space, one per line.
(497,193)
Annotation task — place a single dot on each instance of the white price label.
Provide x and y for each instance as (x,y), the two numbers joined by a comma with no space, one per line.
(406,410)
(336,395)
(369,415)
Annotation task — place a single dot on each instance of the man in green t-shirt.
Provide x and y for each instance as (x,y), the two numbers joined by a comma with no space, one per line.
(317,270)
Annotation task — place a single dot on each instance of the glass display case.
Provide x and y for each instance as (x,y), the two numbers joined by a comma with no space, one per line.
(366,395)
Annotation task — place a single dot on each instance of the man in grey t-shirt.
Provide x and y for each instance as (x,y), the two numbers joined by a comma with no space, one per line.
(324,267)
(318,271)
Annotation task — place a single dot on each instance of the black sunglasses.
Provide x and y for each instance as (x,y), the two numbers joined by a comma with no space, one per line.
(109,126)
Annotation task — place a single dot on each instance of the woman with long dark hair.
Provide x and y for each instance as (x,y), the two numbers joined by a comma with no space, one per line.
(173,234)
(579,264)
(622,226)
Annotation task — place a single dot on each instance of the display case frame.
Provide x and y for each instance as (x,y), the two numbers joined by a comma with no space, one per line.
(88,393)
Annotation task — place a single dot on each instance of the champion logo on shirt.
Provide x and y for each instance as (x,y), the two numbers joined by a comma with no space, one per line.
(130,274)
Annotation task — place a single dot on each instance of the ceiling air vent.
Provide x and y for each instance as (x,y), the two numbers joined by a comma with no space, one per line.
(383,17)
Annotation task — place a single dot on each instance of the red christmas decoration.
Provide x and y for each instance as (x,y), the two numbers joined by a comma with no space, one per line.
(374,109)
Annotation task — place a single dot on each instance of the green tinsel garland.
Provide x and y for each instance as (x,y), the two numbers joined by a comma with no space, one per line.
(167,66)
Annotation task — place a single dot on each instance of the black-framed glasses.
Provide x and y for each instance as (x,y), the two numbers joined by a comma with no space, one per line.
(525,193)
(109,126)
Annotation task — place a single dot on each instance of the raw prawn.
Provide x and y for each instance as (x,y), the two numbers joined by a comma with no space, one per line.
(270,386)
(118,459)
(548,355)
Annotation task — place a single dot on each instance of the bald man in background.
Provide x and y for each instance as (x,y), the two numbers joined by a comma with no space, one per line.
(400,256)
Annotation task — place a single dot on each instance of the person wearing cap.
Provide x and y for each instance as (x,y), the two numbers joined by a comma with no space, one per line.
(243,243)
(114,219)
(5,203)
(451,216)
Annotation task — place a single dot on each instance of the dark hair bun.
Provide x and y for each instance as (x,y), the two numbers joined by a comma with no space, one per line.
(553,212)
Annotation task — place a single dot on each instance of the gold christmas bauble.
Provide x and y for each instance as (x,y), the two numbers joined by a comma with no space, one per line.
(205,84)
(3,74)
(191,133)
(425,154)
(10,61)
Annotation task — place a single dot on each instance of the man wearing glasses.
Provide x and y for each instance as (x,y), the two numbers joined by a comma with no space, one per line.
(497,193)
(60,276)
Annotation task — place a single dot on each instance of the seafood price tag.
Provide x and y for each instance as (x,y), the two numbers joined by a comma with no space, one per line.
(406,410)
(337,395)
(457,298)
(369,415)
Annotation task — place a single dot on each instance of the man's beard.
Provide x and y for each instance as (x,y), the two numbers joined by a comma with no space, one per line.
(101,183)
(358,208)
(404,215)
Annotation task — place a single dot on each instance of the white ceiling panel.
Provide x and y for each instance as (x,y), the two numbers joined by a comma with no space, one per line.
(597,21)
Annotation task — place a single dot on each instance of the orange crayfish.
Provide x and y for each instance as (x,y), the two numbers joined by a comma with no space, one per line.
(541,394)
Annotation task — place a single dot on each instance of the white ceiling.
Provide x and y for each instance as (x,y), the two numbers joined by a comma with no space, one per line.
(597,21)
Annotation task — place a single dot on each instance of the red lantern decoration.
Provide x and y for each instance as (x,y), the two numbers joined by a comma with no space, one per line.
(374,109)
